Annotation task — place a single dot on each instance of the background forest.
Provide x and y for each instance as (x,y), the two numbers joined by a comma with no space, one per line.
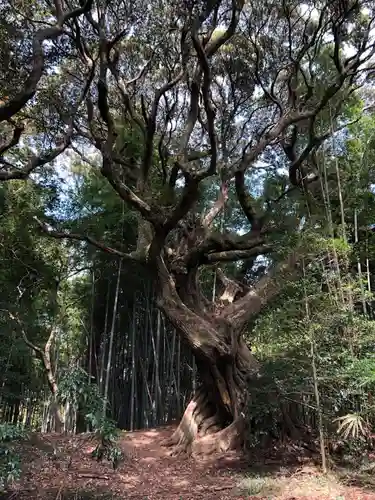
(85,343)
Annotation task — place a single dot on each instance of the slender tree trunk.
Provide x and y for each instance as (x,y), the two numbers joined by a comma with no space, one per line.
(368,278)
(359,266)
(47,362)
(157,370)
(29,414)
(104,342)
(46,359)
(316,386)
(110,347)
(91,332)
(178,376)
(16,413)
(132,394)
(45,416)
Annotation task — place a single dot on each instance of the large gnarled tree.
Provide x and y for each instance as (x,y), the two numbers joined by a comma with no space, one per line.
(212,88)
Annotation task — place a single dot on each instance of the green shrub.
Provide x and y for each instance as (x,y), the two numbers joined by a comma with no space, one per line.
(10,468)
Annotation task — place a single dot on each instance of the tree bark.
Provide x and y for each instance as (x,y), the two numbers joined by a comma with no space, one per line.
(214,419)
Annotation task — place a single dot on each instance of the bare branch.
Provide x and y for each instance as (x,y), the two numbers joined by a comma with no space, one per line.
(14,105)
(188,198)
(32,346)
(314,142)
(223,247)
(210,114)
(218,206)
(265,289)
(206,340)
(17,132)
(246,201)
(192,116)
(66,235)
(231,287)
(151,123)
(235,255)
(141,73)
(127,194)
(214,45)
(38,161)
(84,9)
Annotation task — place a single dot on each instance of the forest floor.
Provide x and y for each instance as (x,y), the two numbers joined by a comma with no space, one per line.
(148,472)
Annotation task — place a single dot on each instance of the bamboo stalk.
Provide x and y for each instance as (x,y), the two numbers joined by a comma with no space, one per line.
(109,360)
(315,380)
(132,394)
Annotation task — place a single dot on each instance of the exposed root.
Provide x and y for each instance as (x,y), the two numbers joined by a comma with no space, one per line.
(180,450)
(210,425)
(218,399)
(197,420)
(229,438)
(171,441)
(210,438)
(187,431)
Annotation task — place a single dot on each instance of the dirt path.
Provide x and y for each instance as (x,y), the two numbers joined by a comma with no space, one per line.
(149,473)
(146,473)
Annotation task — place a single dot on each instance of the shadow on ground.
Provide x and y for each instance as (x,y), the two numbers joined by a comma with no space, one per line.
(148,472)
(72,494)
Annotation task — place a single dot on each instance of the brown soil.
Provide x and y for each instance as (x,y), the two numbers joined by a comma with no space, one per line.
(148,472)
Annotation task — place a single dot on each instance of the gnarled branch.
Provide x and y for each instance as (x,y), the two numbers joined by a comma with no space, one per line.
(66,235)
(218,206)
(265,289)
(14,105)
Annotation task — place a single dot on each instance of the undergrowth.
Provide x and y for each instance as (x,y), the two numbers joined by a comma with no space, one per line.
(10,468)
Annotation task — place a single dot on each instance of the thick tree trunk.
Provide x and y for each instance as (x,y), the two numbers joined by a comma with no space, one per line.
(54,407)
(214,420)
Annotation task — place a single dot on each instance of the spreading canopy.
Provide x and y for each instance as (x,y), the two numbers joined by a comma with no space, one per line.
(212,89)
